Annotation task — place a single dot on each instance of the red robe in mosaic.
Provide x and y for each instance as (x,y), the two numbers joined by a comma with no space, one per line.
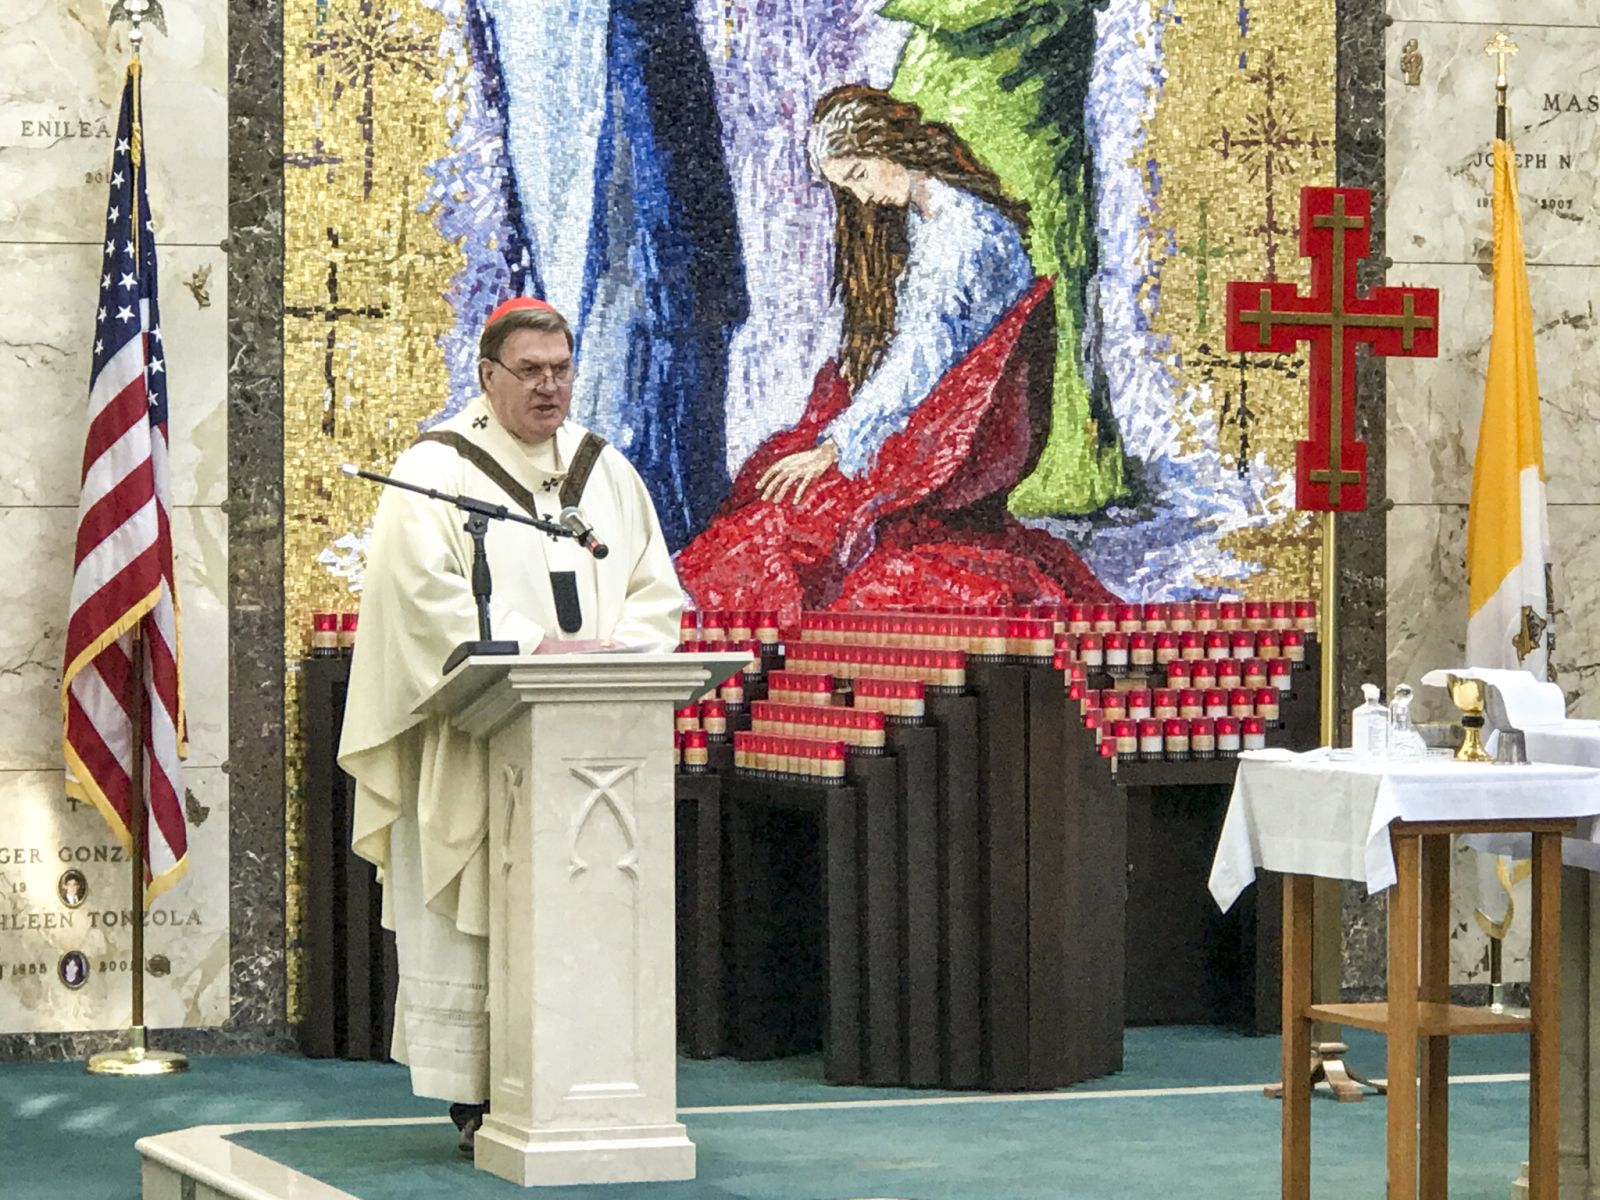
(927,523)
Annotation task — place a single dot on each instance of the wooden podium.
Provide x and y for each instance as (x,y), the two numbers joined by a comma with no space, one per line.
(582,1024)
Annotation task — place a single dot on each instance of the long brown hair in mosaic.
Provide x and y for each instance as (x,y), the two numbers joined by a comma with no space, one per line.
(870,239)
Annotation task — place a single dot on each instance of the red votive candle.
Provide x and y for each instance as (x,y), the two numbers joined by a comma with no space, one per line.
(1281,614)
(1216,644)
(324,635)
(347,631)
(1175,733)
(1139,703)
(713,625)
(696,757)
(1091,651)
(1155,616)
(1115,704)
(1241,643)
(1093,718)
(1116,651)
(1280,672)
(1230,672)
(1230,615)
(1130,617)
(1191,702)
(1177,673)
(1292,643)
(1255,672)
(1241,702)
(1216,702)
(1205,615)
(1151,743)
(1257,614)
(1202,673)
(1305,616)
(1078,618)
(1269,643)
(1228,741)
(1191,644)
(1103,618)
(1125,737)
(1180,616)
(1203,737)
(1267,703)
(1253,733)
(1164,703)
(1142,651)
(714,718)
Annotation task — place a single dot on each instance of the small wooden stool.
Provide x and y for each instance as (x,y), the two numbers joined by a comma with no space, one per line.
(1419,949)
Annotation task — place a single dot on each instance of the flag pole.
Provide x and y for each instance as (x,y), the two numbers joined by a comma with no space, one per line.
(137,1059)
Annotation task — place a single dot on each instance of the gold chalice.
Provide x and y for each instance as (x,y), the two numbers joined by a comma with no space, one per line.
(1470,698)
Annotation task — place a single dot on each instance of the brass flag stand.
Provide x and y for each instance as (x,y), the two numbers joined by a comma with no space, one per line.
(138,1058)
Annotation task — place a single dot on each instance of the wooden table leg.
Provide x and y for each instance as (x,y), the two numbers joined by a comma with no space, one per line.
(1404,900)
(1544,1050)
(1298,899)
(1435,988)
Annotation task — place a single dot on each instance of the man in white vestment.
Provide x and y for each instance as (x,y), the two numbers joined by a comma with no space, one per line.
(422,787)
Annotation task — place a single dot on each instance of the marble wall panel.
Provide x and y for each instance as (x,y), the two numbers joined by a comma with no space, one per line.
(1575,551)
(1435,404)
(1496,12)
(1427,599)
(35,582)
(186,939)
(44,369)
(1441,129)
(63,69)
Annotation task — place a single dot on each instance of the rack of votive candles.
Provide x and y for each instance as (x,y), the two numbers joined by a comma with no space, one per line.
(901,701)
(943,670)
(800,687)
(994,638)
(861,730)
(811,760)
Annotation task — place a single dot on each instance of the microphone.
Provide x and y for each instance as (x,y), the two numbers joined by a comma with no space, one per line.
(572,520)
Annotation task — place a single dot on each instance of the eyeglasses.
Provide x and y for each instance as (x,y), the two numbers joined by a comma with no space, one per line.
(557,374)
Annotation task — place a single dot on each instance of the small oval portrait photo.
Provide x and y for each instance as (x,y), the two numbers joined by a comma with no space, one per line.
(72,887)
(73,969)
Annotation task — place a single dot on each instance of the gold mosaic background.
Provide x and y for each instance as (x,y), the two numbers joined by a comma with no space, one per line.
(365,275)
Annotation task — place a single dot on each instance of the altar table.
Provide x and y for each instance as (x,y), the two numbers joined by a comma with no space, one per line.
(1389,824)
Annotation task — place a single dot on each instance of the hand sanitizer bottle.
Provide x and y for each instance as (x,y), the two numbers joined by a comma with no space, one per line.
(1369,726)
(1404,740)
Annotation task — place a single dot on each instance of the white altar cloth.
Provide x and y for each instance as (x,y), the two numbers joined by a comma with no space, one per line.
(1570,743)
(1324,813)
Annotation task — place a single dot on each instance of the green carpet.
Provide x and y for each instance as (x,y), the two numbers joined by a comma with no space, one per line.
(67,1134)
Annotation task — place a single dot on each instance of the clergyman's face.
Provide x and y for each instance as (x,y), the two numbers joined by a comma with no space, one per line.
(530,387)
(869,180)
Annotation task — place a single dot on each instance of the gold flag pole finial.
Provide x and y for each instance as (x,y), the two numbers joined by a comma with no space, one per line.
(1500,45)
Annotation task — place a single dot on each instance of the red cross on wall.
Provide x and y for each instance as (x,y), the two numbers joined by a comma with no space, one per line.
(1330,467)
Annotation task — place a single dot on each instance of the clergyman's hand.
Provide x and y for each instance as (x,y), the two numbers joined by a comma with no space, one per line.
(796,472)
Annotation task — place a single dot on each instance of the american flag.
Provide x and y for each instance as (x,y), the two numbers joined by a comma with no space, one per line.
(123,586)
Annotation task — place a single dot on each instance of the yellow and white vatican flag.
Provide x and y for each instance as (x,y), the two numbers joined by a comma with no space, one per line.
(1508,534)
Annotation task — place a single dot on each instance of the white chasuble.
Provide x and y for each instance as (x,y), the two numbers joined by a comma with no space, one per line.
(420,781)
